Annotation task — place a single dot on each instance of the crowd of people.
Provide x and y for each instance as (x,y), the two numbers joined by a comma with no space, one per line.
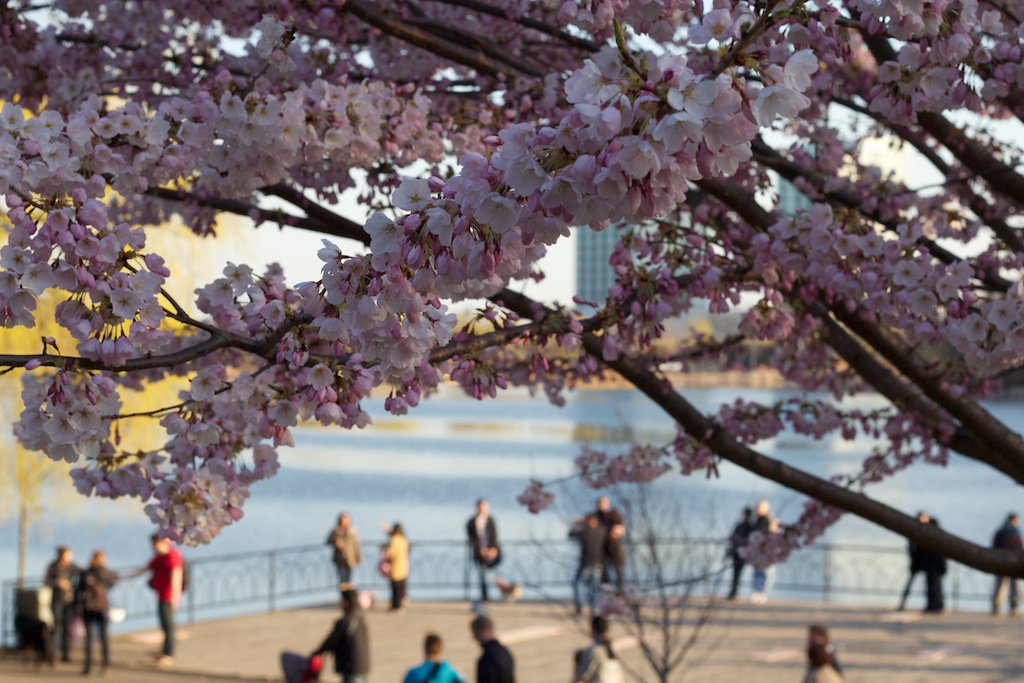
(602,559)
(81,594)
(932,565)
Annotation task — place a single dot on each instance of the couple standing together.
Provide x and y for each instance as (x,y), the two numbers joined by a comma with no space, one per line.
(605,554)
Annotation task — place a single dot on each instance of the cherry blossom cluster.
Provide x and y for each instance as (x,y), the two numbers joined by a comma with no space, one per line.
(222,438)
(535,498)
(891,278)
(657,18)
(640,464)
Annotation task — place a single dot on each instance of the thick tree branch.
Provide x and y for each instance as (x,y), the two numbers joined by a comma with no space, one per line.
(997,561)
(527,22)
(320,220)
(264,348)
(994,444)
(1002,448)
(475,59)
(318,214)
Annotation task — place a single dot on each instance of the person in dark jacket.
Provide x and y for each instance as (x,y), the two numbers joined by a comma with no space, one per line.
(592,537)
(483,542)
(495,664)
(60,578)
(914,553)
(817,634)
(1007,537)
(94,606)
(349,641)
(614,552)
(738,539)
(934,567)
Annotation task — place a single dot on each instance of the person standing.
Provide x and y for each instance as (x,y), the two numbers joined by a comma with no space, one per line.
(737,540)
(396,554)
(347,553)
(91,598)
(1007,537)
(598,664)
(60,576)
(495,664)
(934,567)
(764,524)
(614,552)
(167,571)
(916,567)
(483,541)
(591,536)
(349,641)
(434,669)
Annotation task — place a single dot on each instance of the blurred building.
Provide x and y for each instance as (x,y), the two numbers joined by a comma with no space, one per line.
(791,199)
(594,277)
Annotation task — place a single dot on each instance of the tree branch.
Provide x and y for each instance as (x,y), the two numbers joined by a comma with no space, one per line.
(475,59)
(1003,179)
(527,22)
(324,222)
(791,171)
(998,561)
(988,440)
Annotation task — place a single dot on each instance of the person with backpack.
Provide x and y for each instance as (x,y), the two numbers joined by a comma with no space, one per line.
(434,669)
(94,606)
(1008,537)
(598,663)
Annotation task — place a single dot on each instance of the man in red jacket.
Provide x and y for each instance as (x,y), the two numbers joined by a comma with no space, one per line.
(167,573)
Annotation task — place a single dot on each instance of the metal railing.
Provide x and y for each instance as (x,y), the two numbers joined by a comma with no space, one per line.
(244,583)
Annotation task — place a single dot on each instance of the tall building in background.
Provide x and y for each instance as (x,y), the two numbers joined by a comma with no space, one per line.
(594,277)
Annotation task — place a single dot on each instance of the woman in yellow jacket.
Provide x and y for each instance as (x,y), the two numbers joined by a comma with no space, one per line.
(396,555)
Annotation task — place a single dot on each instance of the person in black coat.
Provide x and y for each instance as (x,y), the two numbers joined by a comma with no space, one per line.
(614,552)
(483,542)
(349,641)
(94,606)
(592,537)
(60,577)
(934,567)
(495,664)
(738,539)
(916,567)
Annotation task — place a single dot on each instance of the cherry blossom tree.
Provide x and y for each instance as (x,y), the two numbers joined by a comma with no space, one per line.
(478,133)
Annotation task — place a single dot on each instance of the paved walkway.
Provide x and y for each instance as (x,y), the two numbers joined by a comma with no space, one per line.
(740,643)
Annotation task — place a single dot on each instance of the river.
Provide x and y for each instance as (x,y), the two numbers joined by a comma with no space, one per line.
(427,469)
